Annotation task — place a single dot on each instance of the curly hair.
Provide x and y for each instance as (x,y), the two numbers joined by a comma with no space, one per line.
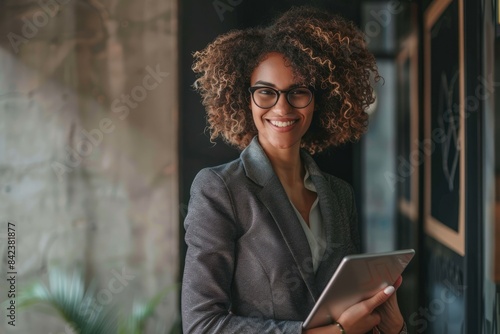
(325,52)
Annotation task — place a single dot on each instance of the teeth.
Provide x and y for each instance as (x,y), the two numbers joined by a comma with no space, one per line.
(282,124)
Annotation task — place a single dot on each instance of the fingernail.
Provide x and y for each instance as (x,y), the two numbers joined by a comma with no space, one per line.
(389,290)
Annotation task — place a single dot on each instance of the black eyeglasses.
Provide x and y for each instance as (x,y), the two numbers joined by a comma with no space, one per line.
(267,97)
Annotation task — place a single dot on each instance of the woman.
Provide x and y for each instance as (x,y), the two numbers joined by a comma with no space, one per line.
(267,231)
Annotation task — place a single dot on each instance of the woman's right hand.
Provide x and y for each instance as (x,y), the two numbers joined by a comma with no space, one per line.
(360,318)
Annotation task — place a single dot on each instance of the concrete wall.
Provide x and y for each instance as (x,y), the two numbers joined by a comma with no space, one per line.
(88,147)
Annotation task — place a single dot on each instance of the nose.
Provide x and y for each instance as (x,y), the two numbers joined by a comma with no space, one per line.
(282,107)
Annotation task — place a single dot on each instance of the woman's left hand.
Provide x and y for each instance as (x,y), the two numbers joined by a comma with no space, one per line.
(391,318)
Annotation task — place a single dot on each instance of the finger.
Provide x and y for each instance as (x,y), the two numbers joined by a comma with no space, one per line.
(379,298)
(376,318)
(398,282)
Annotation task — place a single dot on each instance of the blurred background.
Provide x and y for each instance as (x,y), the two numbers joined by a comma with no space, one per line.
(101,135)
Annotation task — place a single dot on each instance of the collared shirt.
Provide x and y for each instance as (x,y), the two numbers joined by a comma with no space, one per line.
(314,232)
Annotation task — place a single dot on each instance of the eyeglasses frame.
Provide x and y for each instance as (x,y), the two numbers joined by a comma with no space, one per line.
(252,90)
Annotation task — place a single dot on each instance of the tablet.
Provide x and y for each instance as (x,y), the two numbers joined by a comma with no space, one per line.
(357,278)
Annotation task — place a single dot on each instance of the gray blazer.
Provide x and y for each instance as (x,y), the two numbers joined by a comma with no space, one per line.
(248,265)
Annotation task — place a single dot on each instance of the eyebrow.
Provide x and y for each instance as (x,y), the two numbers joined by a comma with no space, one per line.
(265,83)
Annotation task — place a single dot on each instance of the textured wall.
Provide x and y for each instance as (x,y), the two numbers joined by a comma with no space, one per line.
(88,146)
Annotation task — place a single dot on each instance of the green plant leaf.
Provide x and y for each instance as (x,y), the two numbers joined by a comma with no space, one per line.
(79,307)
(136,323)
(67,295)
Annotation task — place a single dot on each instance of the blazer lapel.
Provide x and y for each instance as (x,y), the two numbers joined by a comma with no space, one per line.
(276,201)
(332,214)
(273,196)
(334,247)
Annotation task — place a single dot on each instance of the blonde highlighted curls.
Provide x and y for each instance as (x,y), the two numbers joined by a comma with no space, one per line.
(325,51)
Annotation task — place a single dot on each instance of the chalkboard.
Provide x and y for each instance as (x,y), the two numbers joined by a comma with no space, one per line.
(444,130)
(445,118)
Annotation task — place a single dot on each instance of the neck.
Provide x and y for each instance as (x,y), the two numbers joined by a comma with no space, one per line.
(287,164)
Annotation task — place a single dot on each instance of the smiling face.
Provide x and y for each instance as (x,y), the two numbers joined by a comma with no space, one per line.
(281,126)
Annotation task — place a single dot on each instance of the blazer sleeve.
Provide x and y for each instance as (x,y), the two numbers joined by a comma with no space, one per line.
(211,233)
